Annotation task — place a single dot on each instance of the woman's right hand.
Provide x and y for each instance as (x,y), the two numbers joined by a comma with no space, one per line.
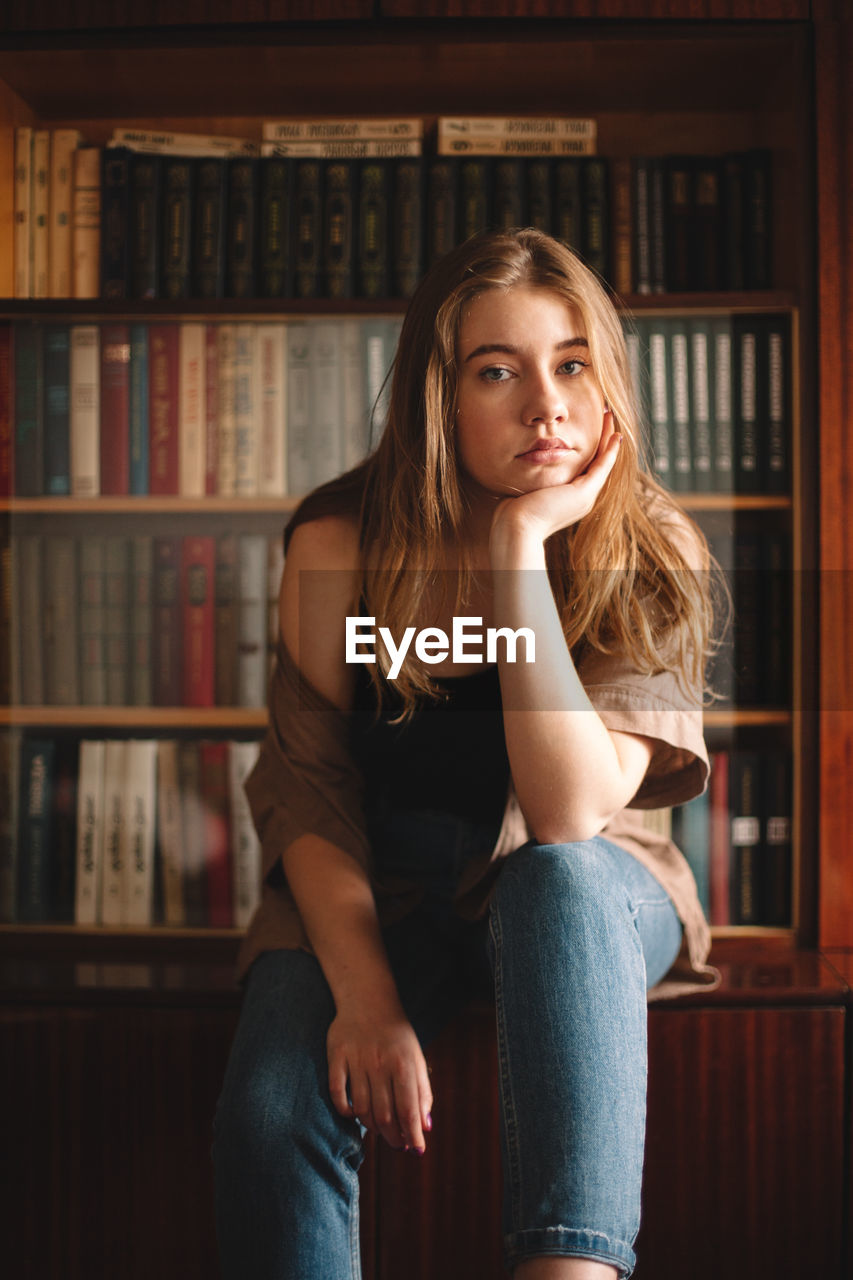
(376,1061)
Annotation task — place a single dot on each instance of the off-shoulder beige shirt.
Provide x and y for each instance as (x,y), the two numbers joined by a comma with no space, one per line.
(307,781)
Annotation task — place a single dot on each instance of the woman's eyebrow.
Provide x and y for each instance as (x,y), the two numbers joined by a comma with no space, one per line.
(488,348)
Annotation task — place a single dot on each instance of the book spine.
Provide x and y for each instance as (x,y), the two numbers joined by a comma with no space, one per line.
(91,568)
(720,840)
(115,409)
(508,194)
(374,200)
(339,228)
(140,691)
(41,213)
(308,227)
(170,832)
(85,411)
(117,620)
(115,236)
(226,402)
(166,635)
(145,181)
(64,143)
(475,196)
(398,128)
(217,838)
(176,215)
(28,607)
(776,358)
(659,384)
(777,846)
(23,212)
(277,197)
(299,337)
(734,221)
(64,831)
(252,642)
(682,426)
(622,225)
(657,225)
(568,211)
(707,261)
(86,223)
(29,410)
(211,409)
(9,684)
(90,832)
(723,405)
(208,225)
(595,178)
(747,464)
(642,235)
(184,143)
(192,819)
(61,662)
(138,424)
(246,853)
(226,621)
(192,417)
(678,222)
(745,800)
(246,439)
(325,438)
(701,374)
(112,866)
(7,409)
(272,410)
(442,203)
(37,777)
(197,594)
(10,805)
(163,407)
(353,395)
(138,831)
(57,372)
(242,231)
(540,193)
(758,220)
(407,225)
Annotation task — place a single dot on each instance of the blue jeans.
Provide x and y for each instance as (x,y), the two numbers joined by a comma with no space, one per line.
(574,935)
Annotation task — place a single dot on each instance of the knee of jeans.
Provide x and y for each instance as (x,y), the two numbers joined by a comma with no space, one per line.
(573,877)
(265,1125)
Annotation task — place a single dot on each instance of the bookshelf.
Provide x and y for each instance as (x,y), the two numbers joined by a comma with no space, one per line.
(151,1007)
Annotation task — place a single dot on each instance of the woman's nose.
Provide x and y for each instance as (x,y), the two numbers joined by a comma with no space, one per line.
(544,403)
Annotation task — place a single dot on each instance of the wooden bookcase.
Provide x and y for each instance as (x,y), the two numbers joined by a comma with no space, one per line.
(660,76)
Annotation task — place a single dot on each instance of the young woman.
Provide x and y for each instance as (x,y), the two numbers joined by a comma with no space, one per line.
(441,820)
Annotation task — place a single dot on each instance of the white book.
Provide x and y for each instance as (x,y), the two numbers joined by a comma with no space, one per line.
(272,410)
(41,212)
(393,149)
(319,130)
(138,830)
(90,832)
(578,127)
(86,223)
(723,400)
(252,615)
(354,408)
(170,833)
(85,411)
(186,144)
(245,846)
(63,144)
(326,436)
(193,415)
(245,411)
(227,450)
(23,211)
(380,338)
(521,148)
(299,408)
(112,874)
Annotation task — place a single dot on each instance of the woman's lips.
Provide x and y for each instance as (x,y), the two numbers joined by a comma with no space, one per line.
(545,451)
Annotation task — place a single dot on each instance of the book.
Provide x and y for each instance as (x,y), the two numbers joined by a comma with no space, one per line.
(277,200)
(116,620)
(242,227)
(219,874)
(271,417)
(660,357)
(139,460)
(681,466)
(60,613)
(407,225)
(442,201)
(90,832)
(192,416)
(163,408)
(226,622)
(508,193)
(723,405)
(29,410)
(38,757)
(138,831)
(517,134)
(747,408)
(719,844)
(209,213)
(166,666)
(354,426)
(299,388)
(64,142)
(345,149)
(84,412)
(170,141)
(701,381)
(706,266)
(28,608)
(252,614)
(140,686)
(622,225)
(337,130)
(758,244)
(92,620)
(7,409)
(339,204)
(10,802)
(57,439)
(475,196)
(325,442)
(679,222)
(115,409)
(41,214)
(170,835)
(226,444)
(115,222)
(144,234)
(641,239)
(211,409)
(777,848)
(692,835)
(568,213)
(595,179)
(63,840)
(245,846)
(23,196)
(246,440)
(176,222)
(86,222)
(745,806)
(197,596)
(9,673)
(776,372)
(308,227)
(374,224)
(113,847)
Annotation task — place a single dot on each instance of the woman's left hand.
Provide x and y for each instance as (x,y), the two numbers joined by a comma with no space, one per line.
(543,511)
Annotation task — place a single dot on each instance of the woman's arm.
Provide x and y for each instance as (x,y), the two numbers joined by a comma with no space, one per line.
(571,774)
(372,1048)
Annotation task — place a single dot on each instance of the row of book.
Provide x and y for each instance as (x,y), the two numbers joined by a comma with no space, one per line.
(146,620)
(189,409)
(169,216)
(737,838)
(716,394)
(128,832)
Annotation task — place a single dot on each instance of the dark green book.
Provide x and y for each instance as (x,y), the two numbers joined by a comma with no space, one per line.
(508,194)
(308,227)
(540,195)
(595,234)
(442,199)
(34,829)
(176,236)
(277,199)
(208,238)
(339,202)
(475,196)
(57,458)
(145,175)
(373,241)
(115,222)
(407,225)
(241,243)
(567,216)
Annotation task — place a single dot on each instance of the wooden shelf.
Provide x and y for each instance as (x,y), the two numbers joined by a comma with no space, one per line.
(203,719)
(136,505)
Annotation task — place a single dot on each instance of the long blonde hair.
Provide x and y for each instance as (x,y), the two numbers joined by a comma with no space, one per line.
(627,578)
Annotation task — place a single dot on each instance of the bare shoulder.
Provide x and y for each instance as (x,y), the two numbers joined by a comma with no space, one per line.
(318,590)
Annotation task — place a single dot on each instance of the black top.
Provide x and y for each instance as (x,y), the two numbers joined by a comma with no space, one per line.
(451,756)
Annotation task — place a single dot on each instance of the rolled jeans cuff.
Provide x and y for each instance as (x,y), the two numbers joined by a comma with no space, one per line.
(570,1242)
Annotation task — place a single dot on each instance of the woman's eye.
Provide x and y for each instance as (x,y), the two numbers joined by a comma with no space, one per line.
(573,367)
(494,374)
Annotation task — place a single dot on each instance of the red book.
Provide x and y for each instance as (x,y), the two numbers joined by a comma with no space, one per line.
(211,401)
(198,566)
(115,409)
(217,834)
(166,630)
(7,401)
(163,416)
(720,850)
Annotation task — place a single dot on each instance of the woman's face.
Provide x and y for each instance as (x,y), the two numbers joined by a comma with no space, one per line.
(530,410)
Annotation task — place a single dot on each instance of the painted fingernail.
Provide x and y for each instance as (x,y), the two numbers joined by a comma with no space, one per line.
(418,1151)
(428,1122)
